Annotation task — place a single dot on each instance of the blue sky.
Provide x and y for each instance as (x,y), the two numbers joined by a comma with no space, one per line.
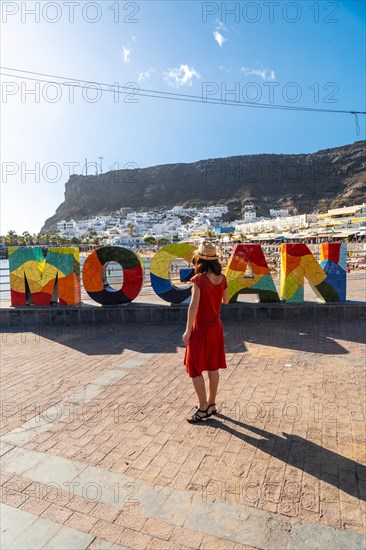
(315,50)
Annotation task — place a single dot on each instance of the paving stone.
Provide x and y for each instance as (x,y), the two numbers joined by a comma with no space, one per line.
(131,520)
(158,529)
(213,543)
(68,539)
(56,513)
(33,506)
(100,544)
(160,544)
(5,447)
(135,540)
(20,460)
(322,537)
(103,511)
(107,530)
(80,504)
(51,469)
(191,539)
(4,477)
(21,529)
(152,499)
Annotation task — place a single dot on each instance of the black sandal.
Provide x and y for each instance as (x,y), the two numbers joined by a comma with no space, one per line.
(196,416)
(211,413)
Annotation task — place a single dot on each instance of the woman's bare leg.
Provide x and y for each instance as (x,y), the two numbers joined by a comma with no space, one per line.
(213,382)
(199,386)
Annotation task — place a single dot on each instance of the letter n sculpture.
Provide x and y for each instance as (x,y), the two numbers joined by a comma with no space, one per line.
(327,279)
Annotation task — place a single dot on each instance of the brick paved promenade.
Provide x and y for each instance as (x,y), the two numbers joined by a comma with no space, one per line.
(96,452)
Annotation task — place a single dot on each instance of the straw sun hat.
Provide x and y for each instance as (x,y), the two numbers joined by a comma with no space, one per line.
(207,251)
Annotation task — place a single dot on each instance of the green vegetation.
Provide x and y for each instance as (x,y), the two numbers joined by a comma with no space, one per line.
(150,240)
(51,238)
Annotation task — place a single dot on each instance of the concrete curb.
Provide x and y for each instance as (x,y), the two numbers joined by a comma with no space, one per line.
(151,314)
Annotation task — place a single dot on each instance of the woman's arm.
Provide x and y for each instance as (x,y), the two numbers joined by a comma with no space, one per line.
(192,312)
(225,296)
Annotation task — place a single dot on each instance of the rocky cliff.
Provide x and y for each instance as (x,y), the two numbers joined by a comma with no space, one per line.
(304,183)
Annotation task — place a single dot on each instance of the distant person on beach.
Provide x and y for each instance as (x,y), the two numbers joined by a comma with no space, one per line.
(204,335)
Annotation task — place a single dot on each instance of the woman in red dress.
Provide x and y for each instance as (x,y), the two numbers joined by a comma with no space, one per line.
(204,335)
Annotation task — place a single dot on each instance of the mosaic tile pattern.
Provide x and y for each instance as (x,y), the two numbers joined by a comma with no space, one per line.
(333,259)
(160,272)
(94,280)
(260,282)
(33,277)
(327,279)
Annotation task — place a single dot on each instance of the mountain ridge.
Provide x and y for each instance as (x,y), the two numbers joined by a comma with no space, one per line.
(302,182)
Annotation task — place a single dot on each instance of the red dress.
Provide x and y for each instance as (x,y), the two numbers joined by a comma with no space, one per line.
(205,349)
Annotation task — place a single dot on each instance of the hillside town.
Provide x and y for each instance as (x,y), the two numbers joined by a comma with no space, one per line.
(128,227)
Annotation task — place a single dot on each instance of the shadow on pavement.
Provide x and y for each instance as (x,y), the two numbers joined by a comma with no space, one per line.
(318,337)
(113,339)
(325,465)
(321,337)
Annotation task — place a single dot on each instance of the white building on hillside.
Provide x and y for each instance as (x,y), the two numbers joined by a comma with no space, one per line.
(273,224)
(63,225)
(250,215)
(278,213)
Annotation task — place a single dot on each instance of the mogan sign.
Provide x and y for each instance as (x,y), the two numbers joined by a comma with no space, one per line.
(33,276)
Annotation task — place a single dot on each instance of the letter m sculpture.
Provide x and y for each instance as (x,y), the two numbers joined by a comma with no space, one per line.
(35,280)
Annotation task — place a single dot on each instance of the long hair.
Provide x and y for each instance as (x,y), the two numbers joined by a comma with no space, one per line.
(203,266)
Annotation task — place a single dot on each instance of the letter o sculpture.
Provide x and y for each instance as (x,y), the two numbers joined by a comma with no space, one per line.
(133,275)
(159,272)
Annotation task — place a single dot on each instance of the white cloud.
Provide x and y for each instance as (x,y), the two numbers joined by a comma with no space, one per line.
(178,77)
(265,74)
(126,54)
(219,38)
(133,38)
(146,74)
(220,25)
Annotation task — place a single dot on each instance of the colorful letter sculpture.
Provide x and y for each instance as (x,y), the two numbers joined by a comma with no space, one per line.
(42,282)
(34,278)
(328,279)
(160,272)
(260,283)
(333,259)
(94,279)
